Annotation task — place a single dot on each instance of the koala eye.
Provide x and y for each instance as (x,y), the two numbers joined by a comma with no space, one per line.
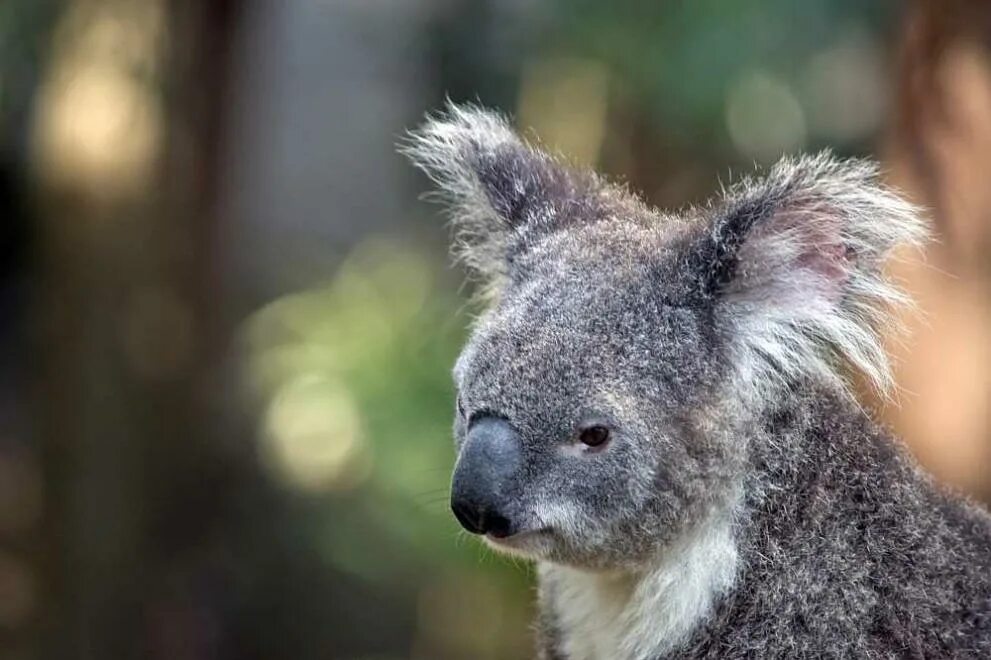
(594,436)
(461,407)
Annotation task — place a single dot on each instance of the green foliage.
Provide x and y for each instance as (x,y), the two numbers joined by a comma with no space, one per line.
(681,57)
(364,361)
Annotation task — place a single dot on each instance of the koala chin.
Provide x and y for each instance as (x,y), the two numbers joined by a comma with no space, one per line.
(656,408)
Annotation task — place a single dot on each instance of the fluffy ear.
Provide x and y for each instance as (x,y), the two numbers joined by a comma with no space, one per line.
(503,195)
(795,264)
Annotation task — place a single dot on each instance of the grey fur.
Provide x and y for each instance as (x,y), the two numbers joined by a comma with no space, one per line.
(745,505)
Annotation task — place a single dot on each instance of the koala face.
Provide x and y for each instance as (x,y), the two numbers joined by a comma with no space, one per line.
(603,397)
(576,424)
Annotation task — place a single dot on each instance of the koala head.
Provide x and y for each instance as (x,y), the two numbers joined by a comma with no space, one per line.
(603,395)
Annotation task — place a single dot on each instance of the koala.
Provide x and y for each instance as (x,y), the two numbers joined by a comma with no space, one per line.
(658,409)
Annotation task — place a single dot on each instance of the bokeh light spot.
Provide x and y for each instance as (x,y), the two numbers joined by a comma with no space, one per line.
(845,90)
(99,125)
(18,592)
(313,435)
(763,117)
(158,332)
(565,101)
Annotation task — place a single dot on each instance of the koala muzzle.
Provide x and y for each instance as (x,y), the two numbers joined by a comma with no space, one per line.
(488,465)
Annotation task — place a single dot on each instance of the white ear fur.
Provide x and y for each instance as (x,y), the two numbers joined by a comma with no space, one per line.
(445,149)
(503,195)
(808,290)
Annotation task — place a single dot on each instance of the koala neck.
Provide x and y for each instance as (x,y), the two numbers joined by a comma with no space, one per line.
(642,614)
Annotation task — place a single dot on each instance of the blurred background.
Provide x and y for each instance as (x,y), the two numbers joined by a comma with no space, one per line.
(227,323)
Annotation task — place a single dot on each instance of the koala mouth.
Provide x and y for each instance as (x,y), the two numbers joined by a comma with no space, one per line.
(526,543)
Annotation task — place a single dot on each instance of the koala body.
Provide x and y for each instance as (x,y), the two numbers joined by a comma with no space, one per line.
(653,408)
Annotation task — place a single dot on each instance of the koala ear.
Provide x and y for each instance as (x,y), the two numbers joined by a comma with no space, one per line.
(503,195)
(795,264)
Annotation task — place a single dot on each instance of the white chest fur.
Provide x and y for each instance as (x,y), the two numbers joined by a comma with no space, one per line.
(639,616)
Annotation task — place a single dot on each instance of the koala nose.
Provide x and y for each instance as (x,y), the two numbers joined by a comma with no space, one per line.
(490,460)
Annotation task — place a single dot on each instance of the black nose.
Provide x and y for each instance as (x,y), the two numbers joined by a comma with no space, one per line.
(480,520)
(484,477)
